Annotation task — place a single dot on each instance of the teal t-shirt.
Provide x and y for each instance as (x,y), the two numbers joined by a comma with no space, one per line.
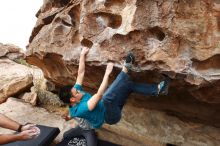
(81,110)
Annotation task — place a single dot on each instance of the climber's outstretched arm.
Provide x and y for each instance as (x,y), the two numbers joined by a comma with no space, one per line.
(81,70)
(93,101)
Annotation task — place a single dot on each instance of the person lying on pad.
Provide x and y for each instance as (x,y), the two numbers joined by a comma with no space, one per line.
(105,106)
(26,132)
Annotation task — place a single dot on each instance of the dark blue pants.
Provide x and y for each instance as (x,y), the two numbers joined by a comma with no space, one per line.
(116,95)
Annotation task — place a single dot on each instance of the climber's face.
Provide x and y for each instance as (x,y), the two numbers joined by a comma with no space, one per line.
(76,96)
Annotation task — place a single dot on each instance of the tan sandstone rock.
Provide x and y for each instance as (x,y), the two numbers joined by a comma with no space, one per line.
(30,97)
(14,77)
(179,38)
(142,127)
(11,51)
(166,36)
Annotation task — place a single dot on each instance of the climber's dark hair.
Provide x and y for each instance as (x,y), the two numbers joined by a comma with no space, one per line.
(65,93)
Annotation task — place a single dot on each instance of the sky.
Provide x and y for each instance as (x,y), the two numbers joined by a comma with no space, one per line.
(17,19)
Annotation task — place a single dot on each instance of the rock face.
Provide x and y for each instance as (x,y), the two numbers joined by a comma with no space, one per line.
(30,97)
(14,77)
(11,51)
(174,37)
(160,130)
(179,38)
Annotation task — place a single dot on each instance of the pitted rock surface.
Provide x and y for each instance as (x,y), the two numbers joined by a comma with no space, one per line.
(178,38)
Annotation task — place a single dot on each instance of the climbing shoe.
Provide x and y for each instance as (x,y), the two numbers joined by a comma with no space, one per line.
(129,61)
(164,86)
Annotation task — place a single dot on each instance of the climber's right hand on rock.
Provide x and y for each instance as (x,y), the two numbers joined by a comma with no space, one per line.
(84,51)
(109,68)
